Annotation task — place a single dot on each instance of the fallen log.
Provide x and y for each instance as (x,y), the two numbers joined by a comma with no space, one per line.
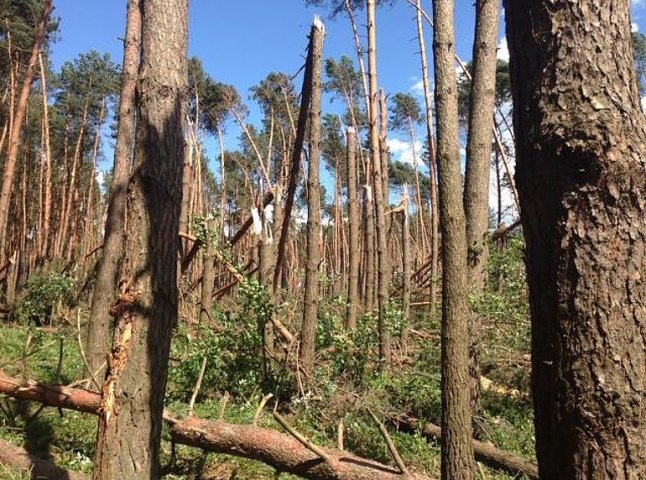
(21,459)
(484,452)
(280,450)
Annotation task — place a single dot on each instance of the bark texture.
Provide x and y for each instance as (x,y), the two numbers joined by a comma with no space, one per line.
(97,343)
(311,299)
(353,232)
(457,452)
(476,186)
(581,157)
(146,310)
(383,262)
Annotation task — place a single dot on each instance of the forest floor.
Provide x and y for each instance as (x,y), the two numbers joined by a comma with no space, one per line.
(345,384)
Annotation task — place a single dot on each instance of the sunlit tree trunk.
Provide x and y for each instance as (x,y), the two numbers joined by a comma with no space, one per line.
(103,295)
(383,277)
(457,450)
(132,397)
(581,158)
(476,187)
(18,120)
(353,231)
(313,254)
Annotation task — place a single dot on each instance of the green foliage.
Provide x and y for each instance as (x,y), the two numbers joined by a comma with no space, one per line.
(405,112)
(233,349)
(43,292)
(639,44)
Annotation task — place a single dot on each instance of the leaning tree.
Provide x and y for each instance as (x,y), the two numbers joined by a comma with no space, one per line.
(581,145)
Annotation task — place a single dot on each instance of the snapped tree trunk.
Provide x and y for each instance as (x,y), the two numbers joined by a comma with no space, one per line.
(476,186)
(97,343)
(311,301)
(581,158)
(457,451)
(132,396)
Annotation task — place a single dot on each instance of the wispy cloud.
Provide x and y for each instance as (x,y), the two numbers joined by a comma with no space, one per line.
(402,150)
(417,87)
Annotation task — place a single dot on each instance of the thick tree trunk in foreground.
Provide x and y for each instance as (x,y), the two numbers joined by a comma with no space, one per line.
(97,343)
(353,232)
(146,310)
(280,450)
(457,452)
(476,185)
(311,299)
(581,146)
(18,119)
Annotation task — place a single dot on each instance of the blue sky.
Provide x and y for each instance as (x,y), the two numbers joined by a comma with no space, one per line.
(240,42)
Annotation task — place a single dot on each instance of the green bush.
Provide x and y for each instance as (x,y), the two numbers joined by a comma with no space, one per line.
(42,293)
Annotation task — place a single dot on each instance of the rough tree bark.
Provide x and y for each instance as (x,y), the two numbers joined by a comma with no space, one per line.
(97,342)
(581,157)
(353,232)
(18,119)
(476,186)
(435,240)
(457,452)
(146,310)
(383,280)
(313,250)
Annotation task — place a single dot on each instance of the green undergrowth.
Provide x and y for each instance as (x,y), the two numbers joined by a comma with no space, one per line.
(346,382)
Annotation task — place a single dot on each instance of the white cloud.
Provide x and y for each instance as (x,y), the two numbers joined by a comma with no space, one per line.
(418,87)
(634,27)
(503,50)
(403,150)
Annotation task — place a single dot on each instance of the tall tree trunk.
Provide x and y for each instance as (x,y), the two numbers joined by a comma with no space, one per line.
(369,239)
(353,230)
(313,253)
(476,187)
(457,452)
(208,274)
(132,396)
(48,164)
(428,103)
(581,146)
(16,129)
(406,258)
(383,277)
(98,335)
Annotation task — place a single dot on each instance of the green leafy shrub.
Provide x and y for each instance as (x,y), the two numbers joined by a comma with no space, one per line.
(43,292)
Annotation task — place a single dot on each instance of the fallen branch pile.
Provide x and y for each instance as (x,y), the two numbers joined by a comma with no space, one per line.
(282,451)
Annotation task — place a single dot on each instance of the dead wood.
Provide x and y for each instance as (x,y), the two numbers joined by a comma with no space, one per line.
(280,450)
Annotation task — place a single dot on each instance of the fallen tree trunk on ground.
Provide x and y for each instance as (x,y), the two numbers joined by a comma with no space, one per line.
(21,459)
(484,452)
(280,450)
